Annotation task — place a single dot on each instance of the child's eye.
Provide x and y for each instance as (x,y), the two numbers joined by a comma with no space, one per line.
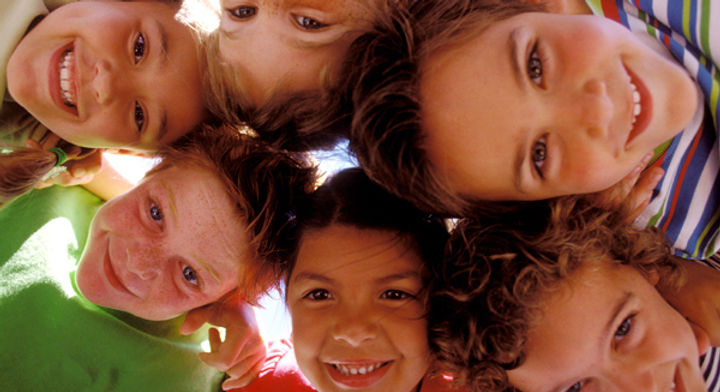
(308,23)
(539,153)
(535,66)
(139,48)
(395,295)
(242,12)
(578,386)
(624,328)
(318,295)
(139,116)
(189,275)
(155,213)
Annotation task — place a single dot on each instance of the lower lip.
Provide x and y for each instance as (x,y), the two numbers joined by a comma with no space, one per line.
(643,119)
(54,80)
(112,277)
(360,380)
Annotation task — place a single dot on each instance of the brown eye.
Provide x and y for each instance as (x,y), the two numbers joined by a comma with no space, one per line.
(535,67)
(539,153)
(308,23)
(243,12)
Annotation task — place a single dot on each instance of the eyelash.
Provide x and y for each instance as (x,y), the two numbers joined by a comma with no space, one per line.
(139,48)
(314,295)
(189,274)
(578,386)
(396,295)
(625,327)
(535,66)
(139,116)
(242,12)
(539,154)
(308,23)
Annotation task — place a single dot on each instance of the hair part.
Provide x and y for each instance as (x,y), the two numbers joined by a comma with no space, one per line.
(265,184)
(495,279)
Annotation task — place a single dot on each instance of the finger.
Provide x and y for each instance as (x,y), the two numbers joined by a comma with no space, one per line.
(215,340)
(241,376)
(195,319)
(30,143)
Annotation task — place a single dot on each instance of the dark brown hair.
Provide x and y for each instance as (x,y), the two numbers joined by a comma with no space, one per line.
(382,76)
(495,277)
(351,198)
(264,182)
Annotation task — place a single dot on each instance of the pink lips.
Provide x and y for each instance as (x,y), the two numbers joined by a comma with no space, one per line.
(643,119)
(358,380)
(54,79)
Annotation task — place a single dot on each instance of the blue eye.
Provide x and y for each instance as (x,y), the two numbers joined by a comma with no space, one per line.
(243,12)
(189,275)
(308,23)
(396,295)
(155,213)
(535,67)
(139,48)
(139,116)
(318,295)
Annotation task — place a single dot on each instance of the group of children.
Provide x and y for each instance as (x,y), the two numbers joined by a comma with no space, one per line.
(526,120)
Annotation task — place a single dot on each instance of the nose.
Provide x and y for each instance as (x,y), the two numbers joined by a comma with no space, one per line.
(103,83)
(627,381)
(590,110)
(355,328)
(143,264)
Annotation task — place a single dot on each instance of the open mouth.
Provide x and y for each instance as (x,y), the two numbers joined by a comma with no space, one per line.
(66,77)
(358,374)
(641,107)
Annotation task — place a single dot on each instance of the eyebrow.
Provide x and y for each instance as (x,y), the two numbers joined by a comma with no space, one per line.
(519,164)
(163,59)
(312,276)
(398,276)
(521,151)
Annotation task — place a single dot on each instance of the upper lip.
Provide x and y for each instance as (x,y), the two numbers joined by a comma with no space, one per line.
(113,277)
(55,79)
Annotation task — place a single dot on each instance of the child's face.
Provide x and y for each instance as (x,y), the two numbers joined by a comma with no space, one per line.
(288,45)
(173,243)
(357,321)
(608,329)
(109,74)
(542,105)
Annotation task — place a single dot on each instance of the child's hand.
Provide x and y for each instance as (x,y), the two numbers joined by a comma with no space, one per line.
(79,171)
(698,299)
(242,354)
(635,189)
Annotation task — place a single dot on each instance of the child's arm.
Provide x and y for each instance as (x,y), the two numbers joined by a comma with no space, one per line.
(242,354)
(698,298)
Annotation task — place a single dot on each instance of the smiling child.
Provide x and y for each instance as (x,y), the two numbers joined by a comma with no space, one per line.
(98,75)
(492,101)
(98,306)
(356,292)
(573,307)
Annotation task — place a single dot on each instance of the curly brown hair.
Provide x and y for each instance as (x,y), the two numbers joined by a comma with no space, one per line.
(495,277)
(381,80)
(264,182)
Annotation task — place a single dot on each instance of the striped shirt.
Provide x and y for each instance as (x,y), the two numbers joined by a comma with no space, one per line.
(687,201)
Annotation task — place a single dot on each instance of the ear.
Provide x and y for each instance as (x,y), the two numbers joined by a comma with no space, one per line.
(568,7)
(653,277)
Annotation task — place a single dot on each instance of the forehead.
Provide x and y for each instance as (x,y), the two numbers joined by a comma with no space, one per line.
(349,253)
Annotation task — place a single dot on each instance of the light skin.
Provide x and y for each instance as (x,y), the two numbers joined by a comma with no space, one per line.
(131,80)
(353,301)
(541,105)
(288,45)
(156,251)
(608,329)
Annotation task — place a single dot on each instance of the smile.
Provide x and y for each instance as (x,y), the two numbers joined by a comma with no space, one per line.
(640,108)
(66,73)
(63,79)
(112,277)
(358,374)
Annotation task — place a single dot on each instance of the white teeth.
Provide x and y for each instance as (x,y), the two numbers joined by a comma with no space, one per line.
(346,370)
(66,73)
(637,108)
